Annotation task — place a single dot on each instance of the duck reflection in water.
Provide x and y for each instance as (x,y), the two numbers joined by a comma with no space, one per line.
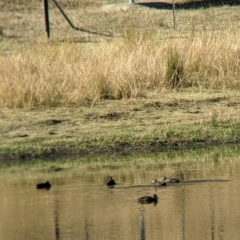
(110,182)
(148,199)
(45,185)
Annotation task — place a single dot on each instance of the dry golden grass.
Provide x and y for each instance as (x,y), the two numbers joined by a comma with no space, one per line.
(127,67)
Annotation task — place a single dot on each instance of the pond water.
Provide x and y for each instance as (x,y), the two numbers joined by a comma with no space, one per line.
(204,205)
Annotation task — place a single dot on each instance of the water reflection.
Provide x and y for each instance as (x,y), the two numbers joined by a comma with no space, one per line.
(81,206)
(56,218)
(142,223)
(183,211)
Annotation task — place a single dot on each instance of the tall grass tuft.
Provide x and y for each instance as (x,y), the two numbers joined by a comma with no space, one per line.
(52,74)
(174,77)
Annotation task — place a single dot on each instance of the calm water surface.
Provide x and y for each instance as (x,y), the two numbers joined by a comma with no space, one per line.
(81,206)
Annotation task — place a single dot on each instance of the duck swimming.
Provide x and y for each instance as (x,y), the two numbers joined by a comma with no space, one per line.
(159,183)
(45,185)
(148,199)
(110,182)
(169,179)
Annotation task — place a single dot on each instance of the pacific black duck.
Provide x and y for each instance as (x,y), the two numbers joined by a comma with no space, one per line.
(45,185)
(148,199)
(111,182)
(159,183)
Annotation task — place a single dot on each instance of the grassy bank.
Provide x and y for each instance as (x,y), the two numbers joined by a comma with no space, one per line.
(164,120)
(136,85)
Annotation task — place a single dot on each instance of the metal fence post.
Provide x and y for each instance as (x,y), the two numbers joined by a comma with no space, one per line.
(47,23)
(46,17)
(174,18)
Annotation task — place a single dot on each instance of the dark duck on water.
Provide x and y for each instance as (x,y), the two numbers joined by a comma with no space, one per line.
(110,182)
(148,199)
(45,185)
